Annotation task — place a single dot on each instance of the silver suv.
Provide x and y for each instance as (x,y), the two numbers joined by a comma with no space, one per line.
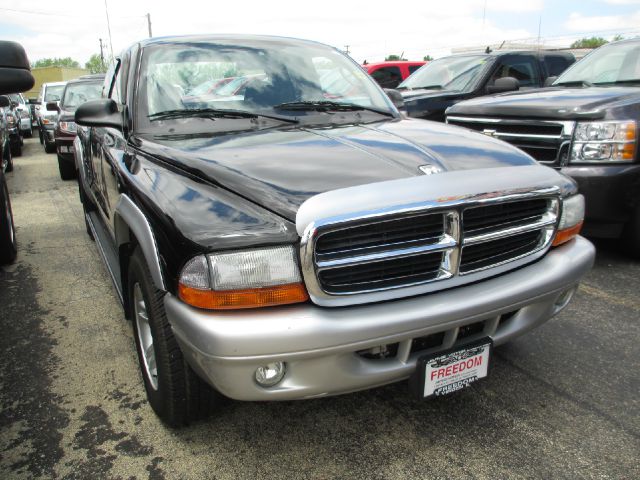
(24,112)
(49,92)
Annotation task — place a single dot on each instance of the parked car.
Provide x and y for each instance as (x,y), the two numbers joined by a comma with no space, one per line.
(75,93)
(283,246)
(390,74)
(585,126)
(13,128)
(23,112)
(15,76)
(449,80)
(49,92)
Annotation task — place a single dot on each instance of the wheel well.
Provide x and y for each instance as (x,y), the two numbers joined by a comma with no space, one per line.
(127,245)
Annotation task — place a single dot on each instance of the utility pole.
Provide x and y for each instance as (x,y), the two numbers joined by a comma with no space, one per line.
(101,53)
(149,24)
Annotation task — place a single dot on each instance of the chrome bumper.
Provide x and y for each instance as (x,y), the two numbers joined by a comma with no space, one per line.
(319,345)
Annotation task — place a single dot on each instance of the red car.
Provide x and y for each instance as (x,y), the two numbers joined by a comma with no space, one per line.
(390,74)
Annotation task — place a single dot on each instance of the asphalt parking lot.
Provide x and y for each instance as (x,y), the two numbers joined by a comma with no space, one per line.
(561,402)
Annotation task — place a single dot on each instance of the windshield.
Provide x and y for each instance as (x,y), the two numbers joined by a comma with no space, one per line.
(264,74)
(614,63)
(53,93)
(449,73)
(77,93)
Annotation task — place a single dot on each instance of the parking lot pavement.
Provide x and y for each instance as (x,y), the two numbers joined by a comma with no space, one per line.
(561,402)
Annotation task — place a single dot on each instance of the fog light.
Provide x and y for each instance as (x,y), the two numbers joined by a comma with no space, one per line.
(271,374)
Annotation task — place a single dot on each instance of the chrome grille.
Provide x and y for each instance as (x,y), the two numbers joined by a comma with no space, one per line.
(433,249)
(546,141)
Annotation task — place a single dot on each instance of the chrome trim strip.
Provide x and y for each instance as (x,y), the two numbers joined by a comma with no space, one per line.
(547,219)
(137,222)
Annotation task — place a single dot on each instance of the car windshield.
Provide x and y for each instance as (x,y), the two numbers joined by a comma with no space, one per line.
(268,77)
(53,93)
(459,73)
(610,64)
(77,93)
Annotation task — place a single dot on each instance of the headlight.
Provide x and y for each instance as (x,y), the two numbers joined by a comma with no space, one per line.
(604,142)
(243,279)
(571,219)
(68,127)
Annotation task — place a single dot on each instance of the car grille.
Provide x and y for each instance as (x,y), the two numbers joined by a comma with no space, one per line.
(546,141)
(415,248)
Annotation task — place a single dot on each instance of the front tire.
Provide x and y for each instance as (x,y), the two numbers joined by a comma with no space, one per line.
(16,150)
(176,394)
(49,147)
(8,243)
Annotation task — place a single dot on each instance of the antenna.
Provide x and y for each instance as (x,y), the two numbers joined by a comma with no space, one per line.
(149,24)
(106,9)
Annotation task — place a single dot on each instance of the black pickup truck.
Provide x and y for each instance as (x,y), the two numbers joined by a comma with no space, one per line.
(586,126)
(446,81)
(289,241)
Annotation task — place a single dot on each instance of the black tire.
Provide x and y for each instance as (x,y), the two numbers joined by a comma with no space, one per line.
(176,394)
(16,150)
(8,243)
(87,206)
(49,147)
(9,160)
(631,236)
(29,133)
(67,169)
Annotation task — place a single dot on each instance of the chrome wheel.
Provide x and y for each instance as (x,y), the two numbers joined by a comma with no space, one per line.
(145,340)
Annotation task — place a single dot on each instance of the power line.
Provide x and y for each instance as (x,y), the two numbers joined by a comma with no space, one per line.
(59,14)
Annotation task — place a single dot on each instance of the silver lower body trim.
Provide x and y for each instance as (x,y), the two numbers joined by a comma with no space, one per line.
(320,345)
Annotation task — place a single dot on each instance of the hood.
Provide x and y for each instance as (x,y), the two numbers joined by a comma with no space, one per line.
(555,102)
(279,169)
(422,93)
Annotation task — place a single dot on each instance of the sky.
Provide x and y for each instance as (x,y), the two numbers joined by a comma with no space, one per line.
(370,29)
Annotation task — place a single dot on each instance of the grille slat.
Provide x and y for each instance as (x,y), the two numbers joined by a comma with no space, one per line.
(430,247)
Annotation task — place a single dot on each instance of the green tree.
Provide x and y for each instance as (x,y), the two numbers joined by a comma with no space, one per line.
(427,58)
(592,42)
(95,64)
(392,58)
(56,62)
(617,37)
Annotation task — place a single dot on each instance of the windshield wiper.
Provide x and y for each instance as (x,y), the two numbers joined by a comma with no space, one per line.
(328,106)
(574,83)
(620,82)
(214,113)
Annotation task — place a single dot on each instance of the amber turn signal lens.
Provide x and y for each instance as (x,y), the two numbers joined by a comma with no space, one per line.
(563,236)
(251,298)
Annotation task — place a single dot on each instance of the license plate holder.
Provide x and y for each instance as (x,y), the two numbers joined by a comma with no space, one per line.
(442,373)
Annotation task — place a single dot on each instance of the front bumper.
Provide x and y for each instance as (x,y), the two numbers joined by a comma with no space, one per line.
(320,345)
(612,193)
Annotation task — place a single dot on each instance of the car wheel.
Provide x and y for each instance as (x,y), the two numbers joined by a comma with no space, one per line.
(41,135)
(87,206)
(631,235)
(176,394)
(9,158)
(67,170)
(29,133)
(8,243)
(16,150)
(49,147)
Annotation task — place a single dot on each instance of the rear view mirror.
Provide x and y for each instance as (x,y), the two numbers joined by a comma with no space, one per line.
(504,84)
(549,81)
(4,101)
(396,97)
(53,107)
(15,72)
(99,113)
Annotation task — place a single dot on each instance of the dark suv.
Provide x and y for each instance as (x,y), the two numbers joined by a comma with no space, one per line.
(444,82)
(76,92)
(586,126)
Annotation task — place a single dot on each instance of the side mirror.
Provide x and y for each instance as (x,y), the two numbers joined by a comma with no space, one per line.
(53,107)
(99,113)
(504,84)
(4,101)
(15,72)
(549,80)
(396,97)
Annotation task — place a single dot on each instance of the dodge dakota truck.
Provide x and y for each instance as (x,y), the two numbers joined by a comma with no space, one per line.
(286,242)
(585,125)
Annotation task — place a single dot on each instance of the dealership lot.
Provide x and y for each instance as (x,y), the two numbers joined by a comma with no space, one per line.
(560,402)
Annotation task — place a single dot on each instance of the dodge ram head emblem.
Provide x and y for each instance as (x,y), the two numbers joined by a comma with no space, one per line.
(429,169)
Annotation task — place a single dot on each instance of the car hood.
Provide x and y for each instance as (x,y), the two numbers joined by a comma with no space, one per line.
(281,168)
(554,102)
(421,93)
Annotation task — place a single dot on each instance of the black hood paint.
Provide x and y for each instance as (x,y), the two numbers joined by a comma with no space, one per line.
(281,168)
(554,103)
(431,104)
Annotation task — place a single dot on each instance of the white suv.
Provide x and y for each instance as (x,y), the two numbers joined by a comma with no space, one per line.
(49,92)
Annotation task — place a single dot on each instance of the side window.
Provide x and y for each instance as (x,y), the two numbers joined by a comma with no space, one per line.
(520,68)
(413,68)
(388,77)
(555,65)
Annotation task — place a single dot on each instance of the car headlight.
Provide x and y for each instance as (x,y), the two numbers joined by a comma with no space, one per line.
(571,219)
(604,142)
(243,279)
(68,127)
